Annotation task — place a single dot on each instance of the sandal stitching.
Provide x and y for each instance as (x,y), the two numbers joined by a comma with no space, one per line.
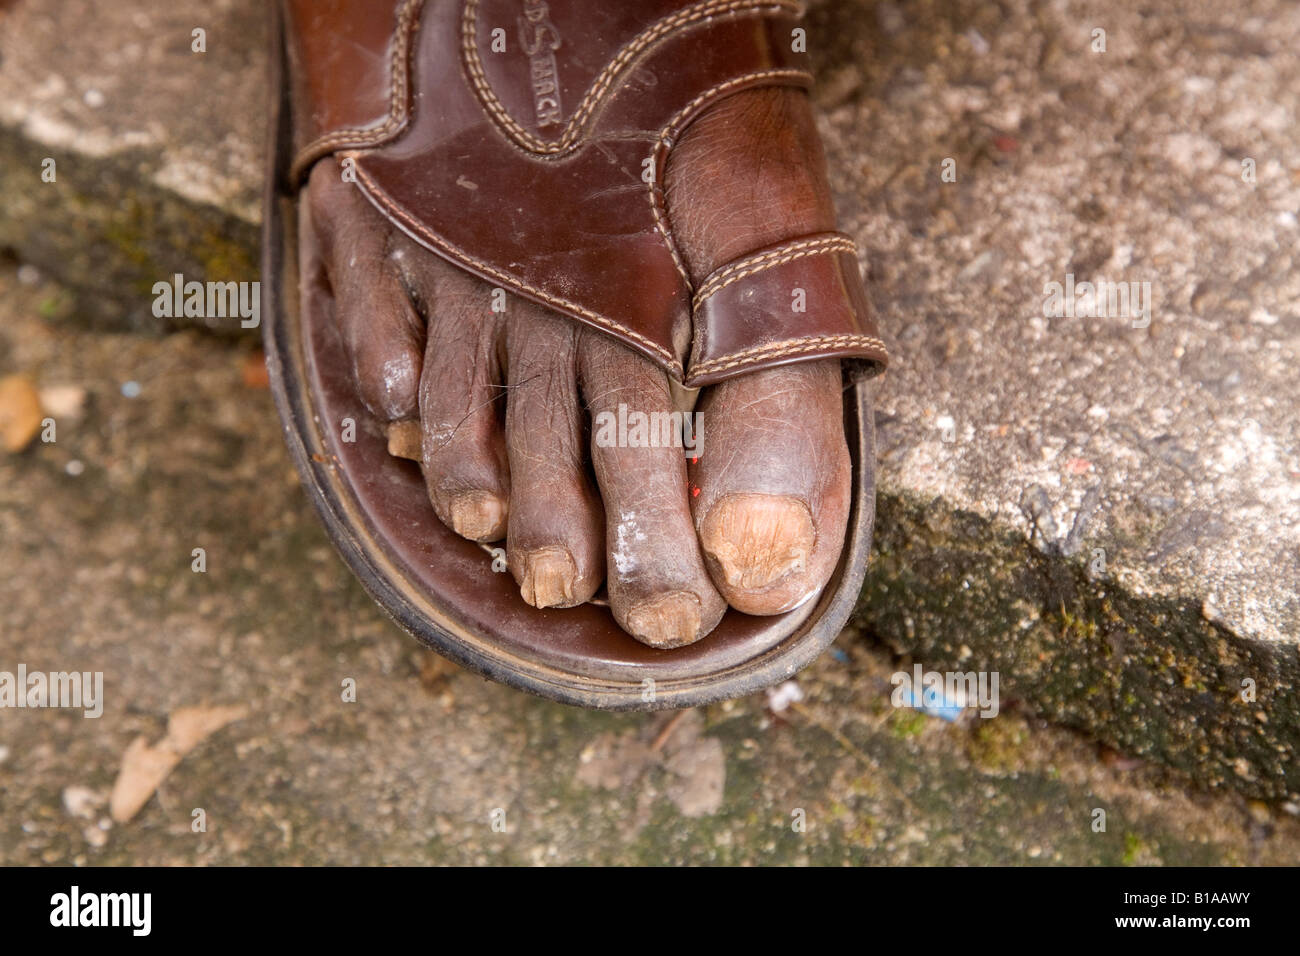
(787,347)
(398,117)
(574,132)
(399,100)
(377,194)
(789,252)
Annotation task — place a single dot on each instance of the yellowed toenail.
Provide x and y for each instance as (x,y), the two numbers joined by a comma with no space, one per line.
(404,440)
(670,620)
(478,515)
(547,577)
(758,539)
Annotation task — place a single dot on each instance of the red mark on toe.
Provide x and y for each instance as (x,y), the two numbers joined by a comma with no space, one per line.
(1078,466)
(695,491)
(1006,144)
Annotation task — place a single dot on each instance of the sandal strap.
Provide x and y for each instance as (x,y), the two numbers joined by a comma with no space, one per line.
(525,141)
(792,301)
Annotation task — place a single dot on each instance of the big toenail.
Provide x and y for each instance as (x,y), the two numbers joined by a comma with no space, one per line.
(478,515)
(758,539)
(669,620)
(548,577)
(404,439)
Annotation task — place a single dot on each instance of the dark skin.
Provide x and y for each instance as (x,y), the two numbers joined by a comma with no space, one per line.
(497,403)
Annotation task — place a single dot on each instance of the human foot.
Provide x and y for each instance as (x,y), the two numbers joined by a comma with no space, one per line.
(498,404)
(504,399)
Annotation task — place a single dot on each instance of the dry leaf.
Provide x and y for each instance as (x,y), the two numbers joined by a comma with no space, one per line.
(144,768)
(20,412)
(254,371)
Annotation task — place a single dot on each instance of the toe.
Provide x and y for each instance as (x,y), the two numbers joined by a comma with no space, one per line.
(659,589)
(460,404)
(773,474)
(381,329)
(555,546)
(774,482)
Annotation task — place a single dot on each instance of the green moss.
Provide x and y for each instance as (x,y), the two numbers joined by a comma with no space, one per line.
(1132,847)
(998,745)
(905,724)
(107,234)
(1144,674)
(55,306)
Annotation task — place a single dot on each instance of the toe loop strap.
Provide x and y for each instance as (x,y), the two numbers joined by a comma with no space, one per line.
(794,301)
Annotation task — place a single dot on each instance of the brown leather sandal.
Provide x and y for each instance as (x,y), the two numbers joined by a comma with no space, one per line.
(451,140)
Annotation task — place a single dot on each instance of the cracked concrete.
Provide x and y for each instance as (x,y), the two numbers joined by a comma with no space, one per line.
(1104,510)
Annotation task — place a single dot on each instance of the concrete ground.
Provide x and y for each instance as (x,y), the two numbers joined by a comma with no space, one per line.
(1103,510)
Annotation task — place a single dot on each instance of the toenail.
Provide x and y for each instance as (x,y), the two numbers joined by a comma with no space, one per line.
(756,539)
(478,515)
(669,620)
(547,577)
(404,439)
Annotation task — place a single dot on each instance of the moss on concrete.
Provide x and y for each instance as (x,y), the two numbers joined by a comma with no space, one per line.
(1150,676)
(108,235)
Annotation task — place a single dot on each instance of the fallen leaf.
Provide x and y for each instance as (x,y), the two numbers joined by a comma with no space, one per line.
(145,767)
(20,412)
(435,670)
(696,764)
(254,370)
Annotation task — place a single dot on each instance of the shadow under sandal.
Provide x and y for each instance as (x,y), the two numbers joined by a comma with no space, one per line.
(522,169)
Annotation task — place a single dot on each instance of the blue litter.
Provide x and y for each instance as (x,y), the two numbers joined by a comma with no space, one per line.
(131,389)
(932,701)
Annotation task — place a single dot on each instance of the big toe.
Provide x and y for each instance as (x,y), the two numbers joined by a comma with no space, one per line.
(774,477)
(772,472)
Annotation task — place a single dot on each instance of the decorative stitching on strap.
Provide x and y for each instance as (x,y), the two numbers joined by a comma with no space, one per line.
(574,130)
(415,226)
(399,100)
(786,347)
(790,251)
